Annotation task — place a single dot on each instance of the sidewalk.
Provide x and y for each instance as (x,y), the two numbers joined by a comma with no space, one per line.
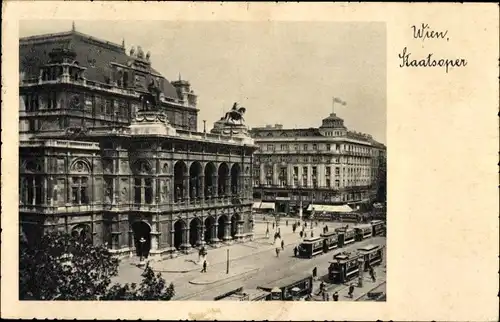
(190,262)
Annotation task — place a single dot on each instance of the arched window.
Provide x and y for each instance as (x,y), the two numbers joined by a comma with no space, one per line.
(80,185)
(31,184)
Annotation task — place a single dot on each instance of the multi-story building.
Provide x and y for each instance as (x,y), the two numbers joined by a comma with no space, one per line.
(110,151)
(328,165)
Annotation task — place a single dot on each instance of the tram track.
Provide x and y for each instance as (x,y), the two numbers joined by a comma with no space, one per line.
(290,266)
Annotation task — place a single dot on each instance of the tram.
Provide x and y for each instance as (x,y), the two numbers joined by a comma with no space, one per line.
(289,288)
(378,227)
(344,267)
(372,255)
(346,236)
(363,231)
(339,238)
(311,247)
(330,241)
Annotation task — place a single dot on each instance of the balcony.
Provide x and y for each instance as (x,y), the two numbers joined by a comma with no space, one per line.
(54,209)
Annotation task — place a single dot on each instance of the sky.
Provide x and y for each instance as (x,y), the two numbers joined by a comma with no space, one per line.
(281,72)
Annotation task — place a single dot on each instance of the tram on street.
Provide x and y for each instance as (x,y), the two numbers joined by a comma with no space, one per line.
(346,236)
(378,227)
(339,238)
(330,241)
(363,231)
(344,267)
(311,247)
(372,255)
(290,287)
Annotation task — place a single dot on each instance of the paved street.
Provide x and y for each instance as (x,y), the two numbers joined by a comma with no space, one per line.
(251,264)
(272,268)
(174,268)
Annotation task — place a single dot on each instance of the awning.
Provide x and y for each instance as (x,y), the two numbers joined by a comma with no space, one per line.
(263,205)
(267,205)
(329,208)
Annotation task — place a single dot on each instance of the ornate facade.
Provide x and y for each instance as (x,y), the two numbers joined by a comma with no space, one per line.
(109,150)
(326,165)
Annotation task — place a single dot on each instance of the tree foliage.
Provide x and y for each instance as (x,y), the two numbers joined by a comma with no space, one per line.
(62,267)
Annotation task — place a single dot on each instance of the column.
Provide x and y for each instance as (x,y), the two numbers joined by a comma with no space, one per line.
(186,191)
(214,238)
(201,235)
(227,230)
(275,174)
(143,189)
(229,191)
(172,240)
(154,238)
(309,175)
(202,187)
(156,195)
(185,239)
(239,229)
(300,174)
(262,174)
(215,187)
(65,75)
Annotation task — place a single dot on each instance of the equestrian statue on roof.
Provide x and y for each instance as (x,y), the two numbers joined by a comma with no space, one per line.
(151,99)
(235,114)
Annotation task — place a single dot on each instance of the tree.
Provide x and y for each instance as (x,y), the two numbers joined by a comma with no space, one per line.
(63,267)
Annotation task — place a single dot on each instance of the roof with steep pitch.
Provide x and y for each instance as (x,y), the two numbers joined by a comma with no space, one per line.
(91,53)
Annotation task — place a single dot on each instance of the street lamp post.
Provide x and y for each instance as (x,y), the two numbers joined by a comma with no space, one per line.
(227,262)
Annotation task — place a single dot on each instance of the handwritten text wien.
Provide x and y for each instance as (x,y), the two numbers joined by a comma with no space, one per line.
(424,32)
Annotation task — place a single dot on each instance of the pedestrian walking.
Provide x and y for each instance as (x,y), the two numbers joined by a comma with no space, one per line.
(372,274)
(286,222)
(312,234)
(305,224)
(277,252)
(351,290)
(204,269)
(335,296)
(282,244)
(322,287)
(315,272)
(295,251)
(273,225)
(301,234)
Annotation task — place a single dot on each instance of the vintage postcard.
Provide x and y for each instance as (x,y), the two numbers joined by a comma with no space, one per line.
(223,160)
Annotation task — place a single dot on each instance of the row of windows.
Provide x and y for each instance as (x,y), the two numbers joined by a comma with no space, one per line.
(103,105)
(313,184)
(314,159)
(334,133)
(345,171)
(31,190)
(316,147)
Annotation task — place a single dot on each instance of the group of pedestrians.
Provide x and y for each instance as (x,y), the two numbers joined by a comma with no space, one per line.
(325,295)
